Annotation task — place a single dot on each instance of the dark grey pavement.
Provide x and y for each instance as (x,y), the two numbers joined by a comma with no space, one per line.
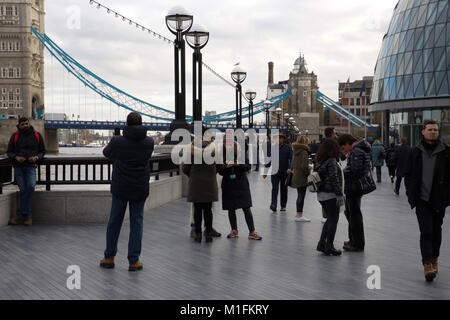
(284,265)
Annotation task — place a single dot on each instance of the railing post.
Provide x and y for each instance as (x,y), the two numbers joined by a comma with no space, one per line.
(47,177)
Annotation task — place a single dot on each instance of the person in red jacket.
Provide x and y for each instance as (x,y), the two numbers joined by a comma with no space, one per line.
(26,147)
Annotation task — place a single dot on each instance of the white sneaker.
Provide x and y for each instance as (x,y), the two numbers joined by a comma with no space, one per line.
(302,219)
(323,220)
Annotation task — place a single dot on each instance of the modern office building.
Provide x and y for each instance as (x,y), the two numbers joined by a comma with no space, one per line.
(412,73)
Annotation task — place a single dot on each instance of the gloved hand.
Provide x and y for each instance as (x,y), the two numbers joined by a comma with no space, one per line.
(340,201)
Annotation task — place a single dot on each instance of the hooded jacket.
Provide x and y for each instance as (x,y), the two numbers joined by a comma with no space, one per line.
(331,176)
(26,146)
(358,165)
(377,149)
(131,155)
(202,186)
(300,165)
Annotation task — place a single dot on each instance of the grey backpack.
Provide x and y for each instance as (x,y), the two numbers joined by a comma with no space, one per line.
(314,181)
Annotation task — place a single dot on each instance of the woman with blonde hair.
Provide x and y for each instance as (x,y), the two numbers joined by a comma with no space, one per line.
(300,169)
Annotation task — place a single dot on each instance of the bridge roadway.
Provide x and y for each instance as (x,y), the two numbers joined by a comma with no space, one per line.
(284,265)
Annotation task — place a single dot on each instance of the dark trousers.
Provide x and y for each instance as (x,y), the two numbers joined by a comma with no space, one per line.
(398,183)
(301,192)
(355,221)
(430,226)
(279,182)
(248,219)
(203,210)
(378,169)
(118,208)
(391,171)
(329,228)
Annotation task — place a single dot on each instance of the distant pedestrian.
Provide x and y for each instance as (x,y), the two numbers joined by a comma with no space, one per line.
(427,181)
(26,148)
(203,190)
(314,146)
(402,157)
(330,193)
(130,185)
(358,181)
(391,161)
(378,156)
(236,194)
(300,170)
(278,179)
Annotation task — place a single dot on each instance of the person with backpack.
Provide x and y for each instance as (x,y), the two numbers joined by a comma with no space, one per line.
(26,148)
(330,192)
(391,161)
(378,156)
(236,193)
(358,182)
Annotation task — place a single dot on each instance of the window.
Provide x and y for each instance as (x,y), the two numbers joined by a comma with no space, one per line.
(16,11)
(4,72)
(11,73)
(358,112)
(9,11)
(17,90)
(352,110)
(18,105)
(3,46)
(18,73)
(10,46)
(304,93)
(352,101)
(11,105)
(2,10)
(3,90)
(11,96)
(358,101)
(17,46)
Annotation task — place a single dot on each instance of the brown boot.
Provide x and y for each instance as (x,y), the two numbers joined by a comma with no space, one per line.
(28,222)
(214,233)
(429,272)
(435,264)
(136,266)
(16,220)
(107,263)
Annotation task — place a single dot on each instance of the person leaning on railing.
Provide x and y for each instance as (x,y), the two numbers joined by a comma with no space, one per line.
(26,147)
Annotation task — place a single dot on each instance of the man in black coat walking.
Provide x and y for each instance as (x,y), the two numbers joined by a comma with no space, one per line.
(130,184)
(26,147)
(402,157)
(427,182)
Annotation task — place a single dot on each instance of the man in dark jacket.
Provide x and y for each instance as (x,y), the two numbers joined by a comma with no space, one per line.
(26,147)
(402,157)
(278,179)
(427,181)
(130,184)
(358,166)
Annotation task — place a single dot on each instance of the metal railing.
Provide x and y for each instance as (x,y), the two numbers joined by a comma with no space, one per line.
(82,170)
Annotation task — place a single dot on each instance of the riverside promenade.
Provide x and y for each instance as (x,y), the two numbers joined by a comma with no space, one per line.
(284,265)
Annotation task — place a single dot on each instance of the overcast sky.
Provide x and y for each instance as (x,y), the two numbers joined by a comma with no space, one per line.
(338,39)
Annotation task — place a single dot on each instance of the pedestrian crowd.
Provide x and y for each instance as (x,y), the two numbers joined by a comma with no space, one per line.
(339,170)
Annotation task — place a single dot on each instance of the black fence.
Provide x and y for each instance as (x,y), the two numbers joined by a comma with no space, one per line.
(82,170)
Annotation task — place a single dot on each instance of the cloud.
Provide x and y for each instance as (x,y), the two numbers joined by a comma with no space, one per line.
(338,38)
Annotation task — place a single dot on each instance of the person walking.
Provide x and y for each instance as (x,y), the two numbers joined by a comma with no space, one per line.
(378,156)
(330,193)
(278,179)
(402,156)
(300,171)
(391,161)
(25,149)
(358,182)
(236,194)
(202,188)
(130,185)
(427,181)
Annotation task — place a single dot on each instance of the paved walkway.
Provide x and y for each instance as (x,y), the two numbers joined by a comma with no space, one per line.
(284,265)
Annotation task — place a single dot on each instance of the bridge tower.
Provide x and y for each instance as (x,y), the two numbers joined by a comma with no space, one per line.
(21,65)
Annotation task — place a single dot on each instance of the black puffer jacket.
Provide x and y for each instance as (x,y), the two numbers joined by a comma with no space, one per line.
(26,146)
(359,164)
(331,176)
(235,192)
(131,167)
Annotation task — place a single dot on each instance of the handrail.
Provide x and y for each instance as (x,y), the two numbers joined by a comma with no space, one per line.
(86,170)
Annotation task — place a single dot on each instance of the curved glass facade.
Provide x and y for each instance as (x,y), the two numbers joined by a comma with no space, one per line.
(414,60)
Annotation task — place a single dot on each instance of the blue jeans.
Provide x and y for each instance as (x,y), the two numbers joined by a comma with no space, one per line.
(26,180)
(279,181)
(118,208)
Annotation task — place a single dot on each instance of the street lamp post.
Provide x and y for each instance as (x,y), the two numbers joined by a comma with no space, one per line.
(197,38)
(179,21)
(238,75)
(279,111)
(267,105)
(250,95)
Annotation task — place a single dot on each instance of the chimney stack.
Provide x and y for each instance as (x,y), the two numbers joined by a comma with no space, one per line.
(270,73)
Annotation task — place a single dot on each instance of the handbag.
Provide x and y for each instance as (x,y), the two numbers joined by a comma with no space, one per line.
(367,184)
(289,179)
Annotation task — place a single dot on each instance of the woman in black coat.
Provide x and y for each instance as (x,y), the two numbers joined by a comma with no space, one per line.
(330,193)
(236,194)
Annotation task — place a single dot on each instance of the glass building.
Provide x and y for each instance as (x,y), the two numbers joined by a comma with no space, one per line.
(412,73)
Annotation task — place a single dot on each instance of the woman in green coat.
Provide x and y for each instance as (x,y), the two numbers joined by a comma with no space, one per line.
(378,156)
